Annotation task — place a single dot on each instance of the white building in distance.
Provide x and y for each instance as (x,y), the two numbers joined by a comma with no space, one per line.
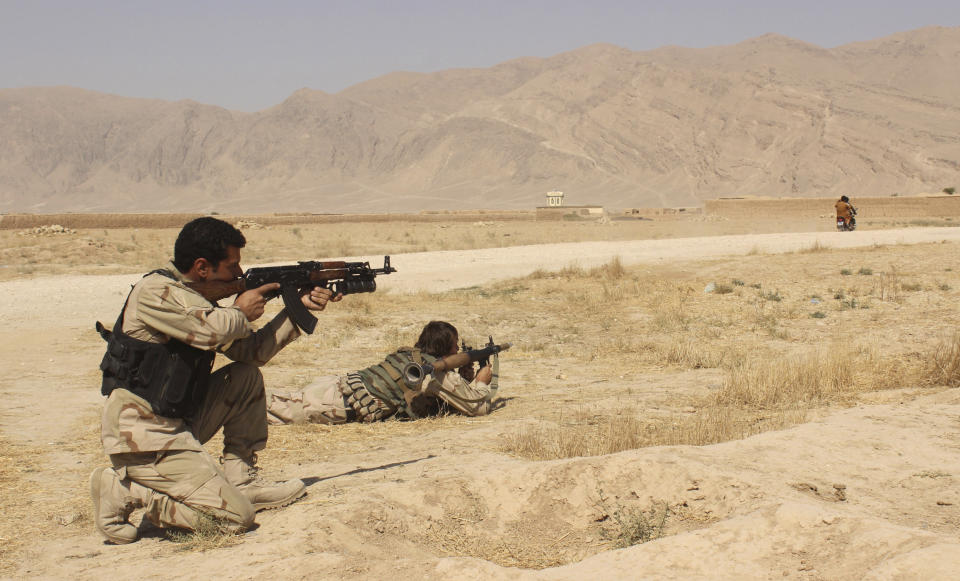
(555,199)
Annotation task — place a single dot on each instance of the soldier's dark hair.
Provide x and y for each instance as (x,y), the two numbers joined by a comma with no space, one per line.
(438,338)
(205,238)
(844,199)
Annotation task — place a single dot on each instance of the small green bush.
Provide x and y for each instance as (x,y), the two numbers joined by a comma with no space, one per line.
(865,271)
(818,315)
(845,272)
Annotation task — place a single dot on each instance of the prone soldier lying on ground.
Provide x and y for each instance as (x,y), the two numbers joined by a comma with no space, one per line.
(164,402)
(429,379)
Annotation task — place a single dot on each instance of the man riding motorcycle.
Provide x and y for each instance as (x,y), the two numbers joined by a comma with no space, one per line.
(845,214)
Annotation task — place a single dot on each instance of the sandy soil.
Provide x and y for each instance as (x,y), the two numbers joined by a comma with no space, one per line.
(864,493)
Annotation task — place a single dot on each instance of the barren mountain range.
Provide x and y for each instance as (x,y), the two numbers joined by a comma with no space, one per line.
(673,126)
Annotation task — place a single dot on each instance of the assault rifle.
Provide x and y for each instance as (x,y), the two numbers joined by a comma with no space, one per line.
(413,373)
(484,361)
(343,278)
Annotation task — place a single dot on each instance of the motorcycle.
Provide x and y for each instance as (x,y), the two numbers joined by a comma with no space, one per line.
(844,225)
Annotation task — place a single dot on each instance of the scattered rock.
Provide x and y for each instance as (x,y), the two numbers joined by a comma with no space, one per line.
(840,492)
(68,518)
(49,230)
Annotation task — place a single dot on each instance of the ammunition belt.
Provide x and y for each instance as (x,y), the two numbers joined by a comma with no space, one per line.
(368,407)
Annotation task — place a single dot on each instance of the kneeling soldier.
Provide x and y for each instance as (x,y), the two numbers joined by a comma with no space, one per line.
(164,402)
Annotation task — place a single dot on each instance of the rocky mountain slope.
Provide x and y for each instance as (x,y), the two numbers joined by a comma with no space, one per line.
(668,127)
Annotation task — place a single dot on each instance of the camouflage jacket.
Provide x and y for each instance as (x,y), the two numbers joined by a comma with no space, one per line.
(160,309)
(437,392)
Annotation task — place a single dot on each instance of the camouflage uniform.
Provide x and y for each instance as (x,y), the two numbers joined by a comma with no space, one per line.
(377,393)
(166,455)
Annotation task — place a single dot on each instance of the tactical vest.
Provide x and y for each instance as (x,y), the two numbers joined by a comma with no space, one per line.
(173,377)
(379,392)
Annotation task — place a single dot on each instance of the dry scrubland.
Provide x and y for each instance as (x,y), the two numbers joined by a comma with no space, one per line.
(606,359)
(106,249)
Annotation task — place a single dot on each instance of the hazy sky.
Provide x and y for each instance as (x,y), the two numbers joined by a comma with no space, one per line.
(248,56)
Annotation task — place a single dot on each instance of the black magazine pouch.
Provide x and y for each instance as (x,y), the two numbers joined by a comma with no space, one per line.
(178,384)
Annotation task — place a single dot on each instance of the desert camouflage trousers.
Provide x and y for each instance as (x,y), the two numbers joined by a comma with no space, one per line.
(190,482)
(320,402)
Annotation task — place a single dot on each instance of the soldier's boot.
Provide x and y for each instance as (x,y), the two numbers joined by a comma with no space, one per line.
(113,501)
(243,473)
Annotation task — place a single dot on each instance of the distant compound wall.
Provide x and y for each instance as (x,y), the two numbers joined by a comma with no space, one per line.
(79,221)
(570,212)
(938,206)
(660,213)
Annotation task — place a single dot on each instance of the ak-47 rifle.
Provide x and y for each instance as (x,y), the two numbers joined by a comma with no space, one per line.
(343,278)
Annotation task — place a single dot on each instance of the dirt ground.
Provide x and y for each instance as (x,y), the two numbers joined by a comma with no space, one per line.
(866,490)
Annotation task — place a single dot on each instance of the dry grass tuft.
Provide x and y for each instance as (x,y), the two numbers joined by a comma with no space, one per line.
(612,270)
(211,533)
(821,375)
(814,248)
(796,378)
(943,365)
(627,526)
(581,436)
(597,434)
(692,354)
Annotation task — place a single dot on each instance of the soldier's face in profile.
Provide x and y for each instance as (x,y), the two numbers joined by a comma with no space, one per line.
(228,268)
(455,348)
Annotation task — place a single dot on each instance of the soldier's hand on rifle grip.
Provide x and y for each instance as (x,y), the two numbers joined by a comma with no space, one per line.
(485,375)
(253,301)
(316,298)
(467,372)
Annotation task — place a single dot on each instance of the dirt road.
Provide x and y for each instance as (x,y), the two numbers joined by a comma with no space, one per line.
(76,300)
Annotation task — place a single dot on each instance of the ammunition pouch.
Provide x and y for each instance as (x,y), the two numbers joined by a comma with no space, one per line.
(367,407)
(385,382)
